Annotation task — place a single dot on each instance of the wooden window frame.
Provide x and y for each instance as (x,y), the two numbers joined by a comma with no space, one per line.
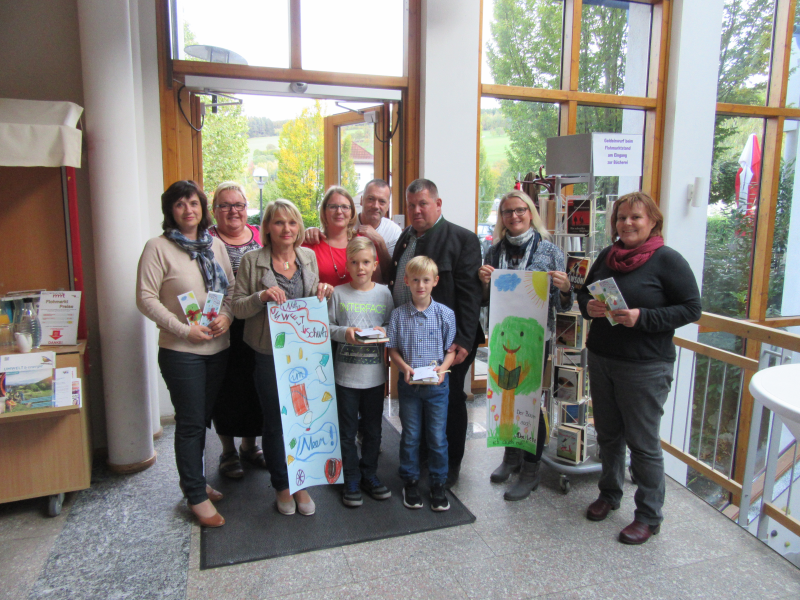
(182,146)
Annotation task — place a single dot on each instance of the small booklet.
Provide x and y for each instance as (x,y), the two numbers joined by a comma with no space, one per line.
(425,376)
(190,306)
(26,381)
(371,336)
(607,292)
(211,309)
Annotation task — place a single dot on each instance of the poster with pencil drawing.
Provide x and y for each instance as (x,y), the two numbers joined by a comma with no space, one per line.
(517,325)
(306,390)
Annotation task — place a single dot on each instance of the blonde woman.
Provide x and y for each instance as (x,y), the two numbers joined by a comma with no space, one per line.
(280,271)
(522,242)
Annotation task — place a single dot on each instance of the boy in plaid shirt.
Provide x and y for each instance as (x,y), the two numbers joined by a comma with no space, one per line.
(420,335)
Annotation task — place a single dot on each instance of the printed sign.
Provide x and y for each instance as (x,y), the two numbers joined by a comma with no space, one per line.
(58,315)
(617,154)
(302,350)
(517,325)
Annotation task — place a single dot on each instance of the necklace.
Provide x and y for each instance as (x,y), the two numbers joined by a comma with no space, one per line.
(285,265)
(335,268)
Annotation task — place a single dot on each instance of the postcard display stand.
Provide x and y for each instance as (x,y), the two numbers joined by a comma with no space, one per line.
(44,451)
(572,448)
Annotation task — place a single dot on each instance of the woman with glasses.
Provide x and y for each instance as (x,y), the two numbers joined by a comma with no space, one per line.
(337,219)
(521,242)
(237,412)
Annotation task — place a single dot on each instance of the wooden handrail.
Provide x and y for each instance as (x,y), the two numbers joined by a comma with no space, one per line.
(752,331)
(728,357)
(716,476)
(777,514)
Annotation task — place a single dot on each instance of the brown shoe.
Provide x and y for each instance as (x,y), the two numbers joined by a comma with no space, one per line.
(599,509)
(638,533)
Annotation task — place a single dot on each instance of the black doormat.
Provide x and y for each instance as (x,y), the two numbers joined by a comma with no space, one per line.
(255,530)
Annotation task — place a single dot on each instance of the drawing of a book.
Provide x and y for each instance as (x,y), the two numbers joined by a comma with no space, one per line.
(299,399)
(508,380)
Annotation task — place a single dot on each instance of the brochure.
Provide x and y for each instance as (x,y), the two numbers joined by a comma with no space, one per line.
(607,292)
(371,336)
(211,309)
(27,381)
(577,269)
(190,306)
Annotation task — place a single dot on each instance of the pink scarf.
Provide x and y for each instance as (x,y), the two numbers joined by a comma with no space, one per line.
(625,261)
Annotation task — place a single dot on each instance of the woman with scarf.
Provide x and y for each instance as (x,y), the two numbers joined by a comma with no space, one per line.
(631,364)
(522,244)
(192,357)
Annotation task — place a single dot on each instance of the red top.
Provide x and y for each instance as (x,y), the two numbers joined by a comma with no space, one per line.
(332,264)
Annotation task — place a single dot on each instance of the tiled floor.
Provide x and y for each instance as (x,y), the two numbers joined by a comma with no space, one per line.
(130,537)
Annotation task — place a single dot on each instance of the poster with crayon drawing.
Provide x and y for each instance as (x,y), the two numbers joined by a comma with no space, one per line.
(517,326)
(306,390)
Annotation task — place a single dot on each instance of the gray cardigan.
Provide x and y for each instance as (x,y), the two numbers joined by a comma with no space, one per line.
(256,275)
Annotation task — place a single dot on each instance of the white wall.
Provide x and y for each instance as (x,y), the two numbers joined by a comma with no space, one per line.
(449,108)
(688,143)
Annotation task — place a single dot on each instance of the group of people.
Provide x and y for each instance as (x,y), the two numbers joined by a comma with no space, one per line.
(423,287)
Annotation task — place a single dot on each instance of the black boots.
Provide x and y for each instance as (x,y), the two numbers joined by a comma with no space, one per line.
(512,461)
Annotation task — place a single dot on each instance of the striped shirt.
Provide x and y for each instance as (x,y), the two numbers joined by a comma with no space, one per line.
(422,337)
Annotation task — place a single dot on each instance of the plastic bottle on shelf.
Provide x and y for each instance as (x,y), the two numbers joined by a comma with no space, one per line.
(36,325)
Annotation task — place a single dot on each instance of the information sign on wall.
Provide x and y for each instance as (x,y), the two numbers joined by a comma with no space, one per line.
(617,154)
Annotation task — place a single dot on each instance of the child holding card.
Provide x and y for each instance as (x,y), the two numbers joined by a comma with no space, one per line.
(420,335)
(356,307)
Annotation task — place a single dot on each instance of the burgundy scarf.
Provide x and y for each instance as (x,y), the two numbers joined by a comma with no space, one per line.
(625,261)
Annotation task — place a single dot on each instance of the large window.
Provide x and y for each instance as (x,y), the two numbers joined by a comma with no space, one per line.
(557,67)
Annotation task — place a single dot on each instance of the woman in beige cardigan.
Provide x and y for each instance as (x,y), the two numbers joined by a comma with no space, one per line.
(191,356)
(280,271)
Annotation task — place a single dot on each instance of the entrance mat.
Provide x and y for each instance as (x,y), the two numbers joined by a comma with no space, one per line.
(255,530)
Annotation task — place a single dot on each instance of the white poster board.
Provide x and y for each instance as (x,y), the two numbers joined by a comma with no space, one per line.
(617,154)
(517,326)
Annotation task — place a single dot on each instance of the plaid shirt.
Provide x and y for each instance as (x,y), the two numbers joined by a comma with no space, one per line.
(422,337)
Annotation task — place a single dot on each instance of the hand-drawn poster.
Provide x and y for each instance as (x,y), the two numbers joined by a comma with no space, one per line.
(517,325)
(302,349)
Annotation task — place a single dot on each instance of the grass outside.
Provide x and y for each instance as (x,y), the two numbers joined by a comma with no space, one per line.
(495,147)
(261,143)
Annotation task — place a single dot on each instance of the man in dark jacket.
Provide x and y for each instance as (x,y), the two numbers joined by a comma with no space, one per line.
(457,254)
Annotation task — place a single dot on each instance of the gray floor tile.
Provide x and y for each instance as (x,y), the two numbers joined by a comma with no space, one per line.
(414,552)
(22,562)
(432,584)
(271,578)
(749,575)
(29,518)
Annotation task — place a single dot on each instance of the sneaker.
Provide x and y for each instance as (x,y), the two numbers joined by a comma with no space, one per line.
(373,486)
(351,494)
(411,497)
(439,501)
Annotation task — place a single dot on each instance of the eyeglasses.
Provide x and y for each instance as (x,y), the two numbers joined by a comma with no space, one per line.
(514,211)
(239,206)
(345,208)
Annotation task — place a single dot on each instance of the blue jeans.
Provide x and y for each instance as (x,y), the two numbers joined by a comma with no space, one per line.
(369,403)
(431,402)
(193,381)
(628,402)
(272,434)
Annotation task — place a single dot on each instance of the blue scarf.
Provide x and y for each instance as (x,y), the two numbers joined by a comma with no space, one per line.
(200,250)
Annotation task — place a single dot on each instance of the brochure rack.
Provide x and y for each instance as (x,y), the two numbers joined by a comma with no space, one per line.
(47,451)
(572,448)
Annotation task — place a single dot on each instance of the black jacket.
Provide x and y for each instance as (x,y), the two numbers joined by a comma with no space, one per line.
(457,253)
(665,292)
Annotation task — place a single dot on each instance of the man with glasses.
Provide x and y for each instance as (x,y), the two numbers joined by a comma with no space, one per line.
(457,253)
(372,223)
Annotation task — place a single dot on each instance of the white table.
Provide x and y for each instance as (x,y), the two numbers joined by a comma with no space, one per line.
(778,388)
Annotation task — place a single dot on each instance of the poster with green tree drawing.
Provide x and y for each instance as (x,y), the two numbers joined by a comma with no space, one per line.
(517,325)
